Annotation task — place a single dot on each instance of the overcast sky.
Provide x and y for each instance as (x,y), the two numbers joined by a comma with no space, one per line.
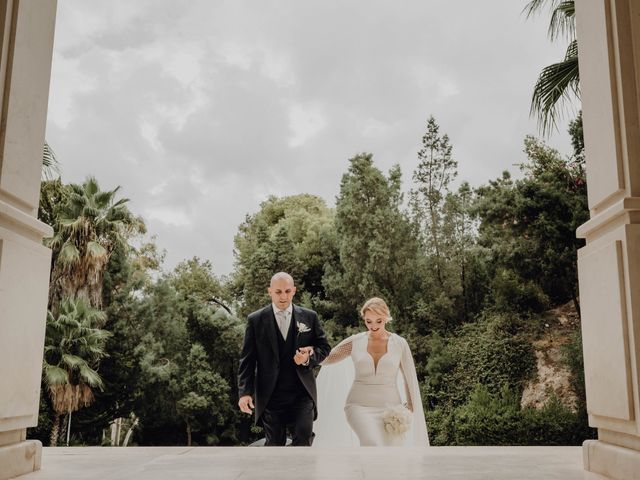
(202,109)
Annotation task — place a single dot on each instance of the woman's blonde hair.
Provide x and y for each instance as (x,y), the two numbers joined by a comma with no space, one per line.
(376,305)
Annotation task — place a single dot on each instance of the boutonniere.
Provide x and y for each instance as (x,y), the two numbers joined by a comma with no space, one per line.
(302,328)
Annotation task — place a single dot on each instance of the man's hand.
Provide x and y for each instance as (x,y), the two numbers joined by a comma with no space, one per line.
(246,404)
(302,355)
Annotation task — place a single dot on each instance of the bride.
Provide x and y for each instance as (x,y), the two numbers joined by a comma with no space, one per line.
(383,405)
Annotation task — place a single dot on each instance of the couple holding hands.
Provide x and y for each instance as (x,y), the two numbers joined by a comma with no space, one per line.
(378,390)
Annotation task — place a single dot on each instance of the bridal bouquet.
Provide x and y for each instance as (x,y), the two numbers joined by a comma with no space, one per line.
(396,419)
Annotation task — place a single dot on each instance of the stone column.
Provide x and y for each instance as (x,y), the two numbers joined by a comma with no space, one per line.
(26,39)
(608,34)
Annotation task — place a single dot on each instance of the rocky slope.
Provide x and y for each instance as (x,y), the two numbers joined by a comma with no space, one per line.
(553,375)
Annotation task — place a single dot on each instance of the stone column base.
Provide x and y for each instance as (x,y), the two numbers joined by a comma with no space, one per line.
(20,458)
(604,461)
(17,455)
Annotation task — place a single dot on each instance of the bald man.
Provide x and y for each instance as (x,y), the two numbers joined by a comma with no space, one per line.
(282,344)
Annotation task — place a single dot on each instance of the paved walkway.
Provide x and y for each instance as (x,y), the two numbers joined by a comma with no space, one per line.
(261,463)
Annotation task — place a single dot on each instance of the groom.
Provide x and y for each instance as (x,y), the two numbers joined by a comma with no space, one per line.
(282,344)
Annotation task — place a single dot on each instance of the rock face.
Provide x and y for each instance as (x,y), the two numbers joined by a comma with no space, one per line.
(553,376)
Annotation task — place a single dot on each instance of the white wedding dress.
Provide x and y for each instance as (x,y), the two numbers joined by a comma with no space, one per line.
(361,391)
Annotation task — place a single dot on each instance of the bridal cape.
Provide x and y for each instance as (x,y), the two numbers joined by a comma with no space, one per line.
(394,379)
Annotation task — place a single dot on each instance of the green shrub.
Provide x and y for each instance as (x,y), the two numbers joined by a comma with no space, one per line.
(554,424)
(440,426)
(490,352)
(497,419)
(514,294)
(488,419)
(575,361)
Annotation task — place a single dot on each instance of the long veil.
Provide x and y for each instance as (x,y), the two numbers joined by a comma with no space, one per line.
(417,436)
(331,428)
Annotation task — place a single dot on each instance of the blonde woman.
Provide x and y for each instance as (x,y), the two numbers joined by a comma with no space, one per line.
(383,405)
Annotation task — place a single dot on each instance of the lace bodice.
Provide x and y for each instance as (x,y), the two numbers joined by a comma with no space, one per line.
(366,371)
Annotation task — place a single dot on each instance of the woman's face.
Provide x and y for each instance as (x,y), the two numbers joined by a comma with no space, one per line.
(375,322)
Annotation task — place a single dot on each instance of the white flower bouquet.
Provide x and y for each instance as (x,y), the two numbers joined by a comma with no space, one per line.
(396,419)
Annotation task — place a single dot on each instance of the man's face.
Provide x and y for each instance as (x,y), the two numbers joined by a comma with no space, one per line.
(281,292)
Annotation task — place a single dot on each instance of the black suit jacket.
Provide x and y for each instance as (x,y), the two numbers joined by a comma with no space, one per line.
(260,359)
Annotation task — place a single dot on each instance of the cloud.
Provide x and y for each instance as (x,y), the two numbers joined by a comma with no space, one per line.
(305,122)
(203,111)
(169,216)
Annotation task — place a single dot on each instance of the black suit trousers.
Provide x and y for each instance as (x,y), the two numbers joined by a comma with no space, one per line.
(297,415)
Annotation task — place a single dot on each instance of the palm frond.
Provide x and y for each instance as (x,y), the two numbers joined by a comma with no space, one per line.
(91,186)
(91,377)
(120,202)
(68,221)
(534,6)
(115,190)
(103,199)
(69,398)
(556,84)
(77,190)
(54,375)
(99,337)
(69,255)
(92,210)
(563,21)
(90,316)
(73,361)
(98,351)
(50,164)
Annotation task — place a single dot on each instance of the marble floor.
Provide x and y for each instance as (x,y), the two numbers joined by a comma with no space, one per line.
(248,463)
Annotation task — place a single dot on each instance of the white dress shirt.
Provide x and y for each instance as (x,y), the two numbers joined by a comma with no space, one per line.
(286,322)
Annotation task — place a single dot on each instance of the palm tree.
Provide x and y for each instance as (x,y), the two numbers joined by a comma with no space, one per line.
(50,164)
(74,345)
(90,225)
(558,82)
